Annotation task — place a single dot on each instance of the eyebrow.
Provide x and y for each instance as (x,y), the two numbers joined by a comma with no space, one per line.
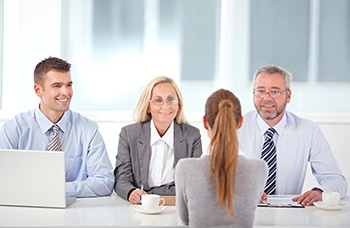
(61,83)
(263,87)
(169,96)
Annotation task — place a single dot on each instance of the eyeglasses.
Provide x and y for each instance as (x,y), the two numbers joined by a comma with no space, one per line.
(159,101)
(273,93)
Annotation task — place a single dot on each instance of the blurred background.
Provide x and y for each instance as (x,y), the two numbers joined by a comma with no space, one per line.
(117,46)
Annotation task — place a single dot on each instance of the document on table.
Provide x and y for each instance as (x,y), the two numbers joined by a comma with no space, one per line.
(280,202)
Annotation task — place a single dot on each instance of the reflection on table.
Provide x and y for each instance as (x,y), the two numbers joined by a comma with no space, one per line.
(113,211)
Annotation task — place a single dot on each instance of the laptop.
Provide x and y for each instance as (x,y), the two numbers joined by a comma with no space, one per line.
(33,178)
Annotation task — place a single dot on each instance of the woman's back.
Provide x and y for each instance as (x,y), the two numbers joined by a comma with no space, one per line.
(196,200)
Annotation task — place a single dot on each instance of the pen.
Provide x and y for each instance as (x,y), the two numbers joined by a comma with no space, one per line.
(141,187)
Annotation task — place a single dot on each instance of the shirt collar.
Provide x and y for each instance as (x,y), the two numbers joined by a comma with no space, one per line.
(168,137)
(45,124)
(279,127)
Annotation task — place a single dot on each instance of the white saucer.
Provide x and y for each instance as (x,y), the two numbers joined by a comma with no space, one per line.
(325,207)
(140,209)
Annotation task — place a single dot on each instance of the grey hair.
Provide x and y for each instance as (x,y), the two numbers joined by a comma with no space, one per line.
(273,69)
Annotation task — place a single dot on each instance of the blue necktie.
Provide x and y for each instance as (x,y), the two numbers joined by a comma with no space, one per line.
(270,157)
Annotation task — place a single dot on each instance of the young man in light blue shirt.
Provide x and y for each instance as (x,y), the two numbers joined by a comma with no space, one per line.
(298,141)
(89,171)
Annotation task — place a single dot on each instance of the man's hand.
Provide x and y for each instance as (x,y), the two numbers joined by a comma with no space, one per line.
(135,196)
(263,198)
(309,197)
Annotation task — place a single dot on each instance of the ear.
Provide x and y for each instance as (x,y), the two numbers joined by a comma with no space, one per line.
(240,122)
(289,95)
(205,123)
(37,90)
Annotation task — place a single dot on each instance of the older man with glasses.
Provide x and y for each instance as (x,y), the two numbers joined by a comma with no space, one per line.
(287,142)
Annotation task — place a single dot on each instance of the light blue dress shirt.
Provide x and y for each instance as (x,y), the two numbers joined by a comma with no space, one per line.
(89,171)
(298,142)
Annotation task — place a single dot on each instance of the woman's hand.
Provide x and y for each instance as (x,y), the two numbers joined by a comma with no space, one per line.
(135,196)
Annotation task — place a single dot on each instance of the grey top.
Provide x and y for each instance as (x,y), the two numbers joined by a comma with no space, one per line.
(134,154)
(196,202)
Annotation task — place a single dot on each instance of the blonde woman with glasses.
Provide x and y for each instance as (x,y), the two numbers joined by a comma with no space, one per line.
(149,149)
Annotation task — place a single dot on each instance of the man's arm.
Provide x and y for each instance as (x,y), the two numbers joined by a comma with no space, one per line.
(99,172)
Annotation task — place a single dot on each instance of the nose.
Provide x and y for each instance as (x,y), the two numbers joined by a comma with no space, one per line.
(267,93)
(65,89)
(165,103)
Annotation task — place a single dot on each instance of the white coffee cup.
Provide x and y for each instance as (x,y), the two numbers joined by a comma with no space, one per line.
(330,198)
(152,201)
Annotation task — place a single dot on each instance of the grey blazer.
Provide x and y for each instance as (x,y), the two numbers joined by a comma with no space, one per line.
(134,153)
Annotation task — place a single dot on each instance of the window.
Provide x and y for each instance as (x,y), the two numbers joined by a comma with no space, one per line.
(123,44)
(1,45)
(117,46)
(310,38)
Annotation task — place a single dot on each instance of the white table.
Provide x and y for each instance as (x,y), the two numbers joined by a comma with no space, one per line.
(113,211)
(309,216)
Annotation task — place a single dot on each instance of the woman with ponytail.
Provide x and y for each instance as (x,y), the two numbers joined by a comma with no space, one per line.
(223,187)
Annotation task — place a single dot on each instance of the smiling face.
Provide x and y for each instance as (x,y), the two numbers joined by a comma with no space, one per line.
(55,92)
(271,109)
(163,115)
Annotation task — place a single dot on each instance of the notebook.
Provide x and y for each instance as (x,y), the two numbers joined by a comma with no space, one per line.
(33,178)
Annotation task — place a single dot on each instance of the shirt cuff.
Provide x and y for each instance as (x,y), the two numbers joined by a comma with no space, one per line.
(70,190)
(127,197)
(316,188)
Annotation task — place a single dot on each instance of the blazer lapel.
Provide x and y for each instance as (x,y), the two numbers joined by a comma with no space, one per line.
(144,152)
(179,143)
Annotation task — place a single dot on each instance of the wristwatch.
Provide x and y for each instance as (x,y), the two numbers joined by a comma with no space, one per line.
(316,188)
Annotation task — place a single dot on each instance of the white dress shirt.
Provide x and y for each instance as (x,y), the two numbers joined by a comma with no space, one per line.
(161,167)
(298,141)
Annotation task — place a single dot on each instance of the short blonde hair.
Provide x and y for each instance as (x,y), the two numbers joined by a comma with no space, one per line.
(140,112)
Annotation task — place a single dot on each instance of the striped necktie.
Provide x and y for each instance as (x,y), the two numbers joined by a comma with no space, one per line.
(270,157)
(54,144)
